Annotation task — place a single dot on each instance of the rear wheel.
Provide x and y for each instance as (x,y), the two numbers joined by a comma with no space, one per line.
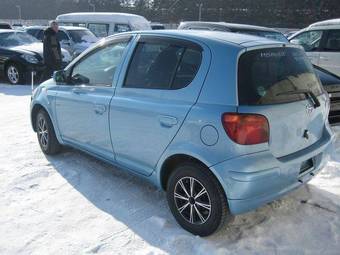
(15,74)
(196,199)
(46,136)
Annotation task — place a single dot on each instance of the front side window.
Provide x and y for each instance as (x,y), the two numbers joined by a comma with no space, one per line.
(163,65)
(309,40)
(62,36)
(100,30)
(82,36)
(333,41)
(98,69)
(120,28)
(273,76)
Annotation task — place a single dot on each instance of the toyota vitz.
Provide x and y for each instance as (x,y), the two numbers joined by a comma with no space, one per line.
(223,122)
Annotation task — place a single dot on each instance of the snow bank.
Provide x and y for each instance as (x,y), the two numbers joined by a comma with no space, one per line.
(75,204)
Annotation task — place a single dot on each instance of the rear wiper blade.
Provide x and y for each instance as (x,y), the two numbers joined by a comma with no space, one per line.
(309,94)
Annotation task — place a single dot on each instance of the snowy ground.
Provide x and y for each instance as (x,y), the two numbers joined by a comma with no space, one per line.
(74,204)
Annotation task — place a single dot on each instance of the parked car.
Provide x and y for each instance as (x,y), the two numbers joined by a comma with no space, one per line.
(157,26)
(235,28)
(103,24)
(18,26)
(5,26)
(20,54)
(222,122)
(331,84)
(321,41)
(74,39)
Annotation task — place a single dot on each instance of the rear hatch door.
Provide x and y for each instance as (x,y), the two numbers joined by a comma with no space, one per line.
(280,84)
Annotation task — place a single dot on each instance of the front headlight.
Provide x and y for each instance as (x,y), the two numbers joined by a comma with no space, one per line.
(30,58)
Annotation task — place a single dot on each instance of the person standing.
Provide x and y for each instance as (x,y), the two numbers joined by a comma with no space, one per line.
(52,51)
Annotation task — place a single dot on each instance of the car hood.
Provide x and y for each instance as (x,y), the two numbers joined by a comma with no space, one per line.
(36,48)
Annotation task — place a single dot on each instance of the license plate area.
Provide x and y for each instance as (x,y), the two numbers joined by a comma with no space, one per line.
(306,166)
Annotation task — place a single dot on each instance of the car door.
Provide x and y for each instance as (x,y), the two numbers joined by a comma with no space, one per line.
(161,83)
(65,41)
(330,52)
(82,107)
(311,42)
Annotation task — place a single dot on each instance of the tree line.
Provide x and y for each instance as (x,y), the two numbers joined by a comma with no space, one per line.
(274,13)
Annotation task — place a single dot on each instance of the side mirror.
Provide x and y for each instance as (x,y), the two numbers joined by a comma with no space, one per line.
(79,79)
(295,41)
(59,77)
(65,42)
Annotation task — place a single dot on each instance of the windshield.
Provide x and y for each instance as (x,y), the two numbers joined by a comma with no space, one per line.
(266,76)
(268,34)
(82,36)
(16,39)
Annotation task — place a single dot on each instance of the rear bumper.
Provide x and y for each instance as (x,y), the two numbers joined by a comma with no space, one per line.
(256,179)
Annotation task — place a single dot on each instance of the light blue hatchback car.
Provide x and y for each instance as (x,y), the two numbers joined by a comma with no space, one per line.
(223,122)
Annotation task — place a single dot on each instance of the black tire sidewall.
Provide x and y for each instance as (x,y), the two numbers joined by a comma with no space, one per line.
(198,172)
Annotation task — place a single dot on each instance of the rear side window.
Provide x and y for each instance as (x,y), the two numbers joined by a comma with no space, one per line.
(100,30)
(120,28)
(163,65)
(268,76)
(333,41)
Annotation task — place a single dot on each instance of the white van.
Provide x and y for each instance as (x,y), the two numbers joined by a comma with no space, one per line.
(321,41)
(103,24)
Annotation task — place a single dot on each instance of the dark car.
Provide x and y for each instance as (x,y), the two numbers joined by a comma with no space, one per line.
(5,26)
(331,83)
(157,26)
(20,54)
(234,28)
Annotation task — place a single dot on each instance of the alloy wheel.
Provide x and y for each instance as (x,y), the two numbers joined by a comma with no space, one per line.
(13,74)
(43,132)
(192,200)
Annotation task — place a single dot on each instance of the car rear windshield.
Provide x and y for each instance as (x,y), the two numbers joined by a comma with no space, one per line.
(269,76)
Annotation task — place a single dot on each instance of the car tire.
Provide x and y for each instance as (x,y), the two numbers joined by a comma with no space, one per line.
(15,74)
(46,136)
(202,209)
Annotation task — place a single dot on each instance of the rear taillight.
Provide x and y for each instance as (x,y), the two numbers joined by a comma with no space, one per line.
(246,129)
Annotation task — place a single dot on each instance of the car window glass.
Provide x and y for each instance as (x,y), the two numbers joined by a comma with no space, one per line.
(98,69)
(267,76)
(100,30)
(40,35)
(162,66)
(333,41)
(120,28)
(310,40)
(62,36)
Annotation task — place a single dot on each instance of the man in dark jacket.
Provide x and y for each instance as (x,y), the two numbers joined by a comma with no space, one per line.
(52,51)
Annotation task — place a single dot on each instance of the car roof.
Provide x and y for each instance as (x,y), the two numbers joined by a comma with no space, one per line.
(331,23)
(60,27)
(11,31)
(230,25)
(97,16)
(210,36)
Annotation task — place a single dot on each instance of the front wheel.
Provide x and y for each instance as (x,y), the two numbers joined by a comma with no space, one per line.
(15,74)
(46,136)
(196,199)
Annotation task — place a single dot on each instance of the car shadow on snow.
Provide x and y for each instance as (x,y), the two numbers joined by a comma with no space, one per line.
(15,90)
(143,209)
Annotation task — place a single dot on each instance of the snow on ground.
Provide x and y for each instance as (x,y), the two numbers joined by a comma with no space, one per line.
(74,204)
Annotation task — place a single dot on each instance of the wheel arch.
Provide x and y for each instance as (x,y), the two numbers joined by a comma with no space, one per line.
(34,112)
(174,160)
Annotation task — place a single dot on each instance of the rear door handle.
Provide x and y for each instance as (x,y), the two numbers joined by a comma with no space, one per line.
(324,58)
(99,109)
(168,121)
